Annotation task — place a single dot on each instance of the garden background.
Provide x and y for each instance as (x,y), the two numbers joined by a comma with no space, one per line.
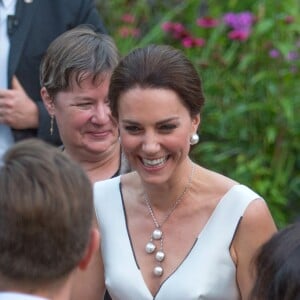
(248,56)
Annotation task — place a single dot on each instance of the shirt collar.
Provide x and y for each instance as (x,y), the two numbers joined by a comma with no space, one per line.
(15,296)
(9,3)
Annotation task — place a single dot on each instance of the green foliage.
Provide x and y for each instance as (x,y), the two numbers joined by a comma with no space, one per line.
(250,128)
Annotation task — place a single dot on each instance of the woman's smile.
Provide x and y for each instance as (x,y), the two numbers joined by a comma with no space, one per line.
(154,162)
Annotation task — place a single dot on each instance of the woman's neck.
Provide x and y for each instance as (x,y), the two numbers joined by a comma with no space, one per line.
(171,190)
(102,166)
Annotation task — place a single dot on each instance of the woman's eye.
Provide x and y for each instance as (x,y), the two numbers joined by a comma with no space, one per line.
(84,104)
(167,127)
(132,128)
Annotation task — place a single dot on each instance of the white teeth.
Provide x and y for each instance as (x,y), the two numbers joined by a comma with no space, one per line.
(154,162)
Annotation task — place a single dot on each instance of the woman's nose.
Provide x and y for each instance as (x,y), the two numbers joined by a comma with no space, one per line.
(101,114)
(150,144)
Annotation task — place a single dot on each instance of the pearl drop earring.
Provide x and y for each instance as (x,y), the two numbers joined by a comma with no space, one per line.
(194,139)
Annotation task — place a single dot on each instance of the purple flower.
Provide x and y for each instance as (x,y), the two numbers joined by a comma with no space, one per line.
(240,24)
(239,20)
(294,69)
(274,53)
(245,19)
(292,55)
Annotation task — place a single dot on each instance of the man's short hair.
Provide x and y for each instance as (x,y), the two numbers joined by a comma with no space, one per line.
(46,212)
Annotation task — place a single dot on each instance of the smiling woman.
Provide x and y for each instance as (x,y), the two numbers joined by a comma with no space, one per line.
(84,121)
(156,144)
(75,75)
(186,232)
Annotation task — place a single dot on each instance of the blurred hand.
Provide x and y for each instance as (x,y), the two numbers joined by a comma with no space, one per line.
(17,110)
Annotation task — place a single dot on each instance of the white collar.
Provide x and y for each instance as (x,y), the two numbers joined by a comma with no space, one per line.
(20,296)
(9,3)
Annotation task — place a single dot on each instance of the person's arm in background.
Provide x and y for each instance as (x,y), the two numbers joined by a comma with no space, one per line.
(21,105)
(17,110)
(84,13)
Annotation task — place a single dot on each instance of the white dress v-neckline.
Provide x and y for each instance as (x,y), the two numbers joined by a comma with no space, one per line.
(197,273)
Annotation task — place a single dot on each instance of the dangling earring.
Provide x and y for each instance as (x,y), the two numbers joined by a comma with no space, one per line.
(51,124)
(194,139)
(119,136)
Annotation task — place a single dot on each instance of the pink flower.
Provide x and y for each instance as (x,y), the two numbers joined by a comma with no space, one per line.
(239,35)
(289,19)
(207,22)
(136,32)
(125,31)
(128,18)
(190,42)
(199,42)
(177,30)
(187,42)
(178,27)
(167,26)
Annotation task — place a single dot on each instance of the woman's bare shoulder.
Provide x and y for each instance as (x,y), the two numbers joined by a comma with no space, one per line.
(212,182)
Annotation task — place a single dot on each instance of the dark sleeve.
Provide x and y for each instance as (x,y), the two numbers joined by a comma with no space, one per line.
(84,12)
(88,14)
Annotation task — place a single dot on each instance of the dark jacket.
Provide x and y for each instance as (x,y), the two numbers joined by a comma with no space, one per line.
(35,24)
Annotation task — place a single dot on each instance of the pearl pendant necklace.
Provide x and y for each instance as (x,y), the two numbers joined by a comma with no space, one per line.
(157,234)
(150,248)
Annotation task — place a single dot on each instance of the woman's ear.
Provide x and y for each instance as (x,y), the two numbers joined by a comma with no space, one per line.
(195,123)
(48,101)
